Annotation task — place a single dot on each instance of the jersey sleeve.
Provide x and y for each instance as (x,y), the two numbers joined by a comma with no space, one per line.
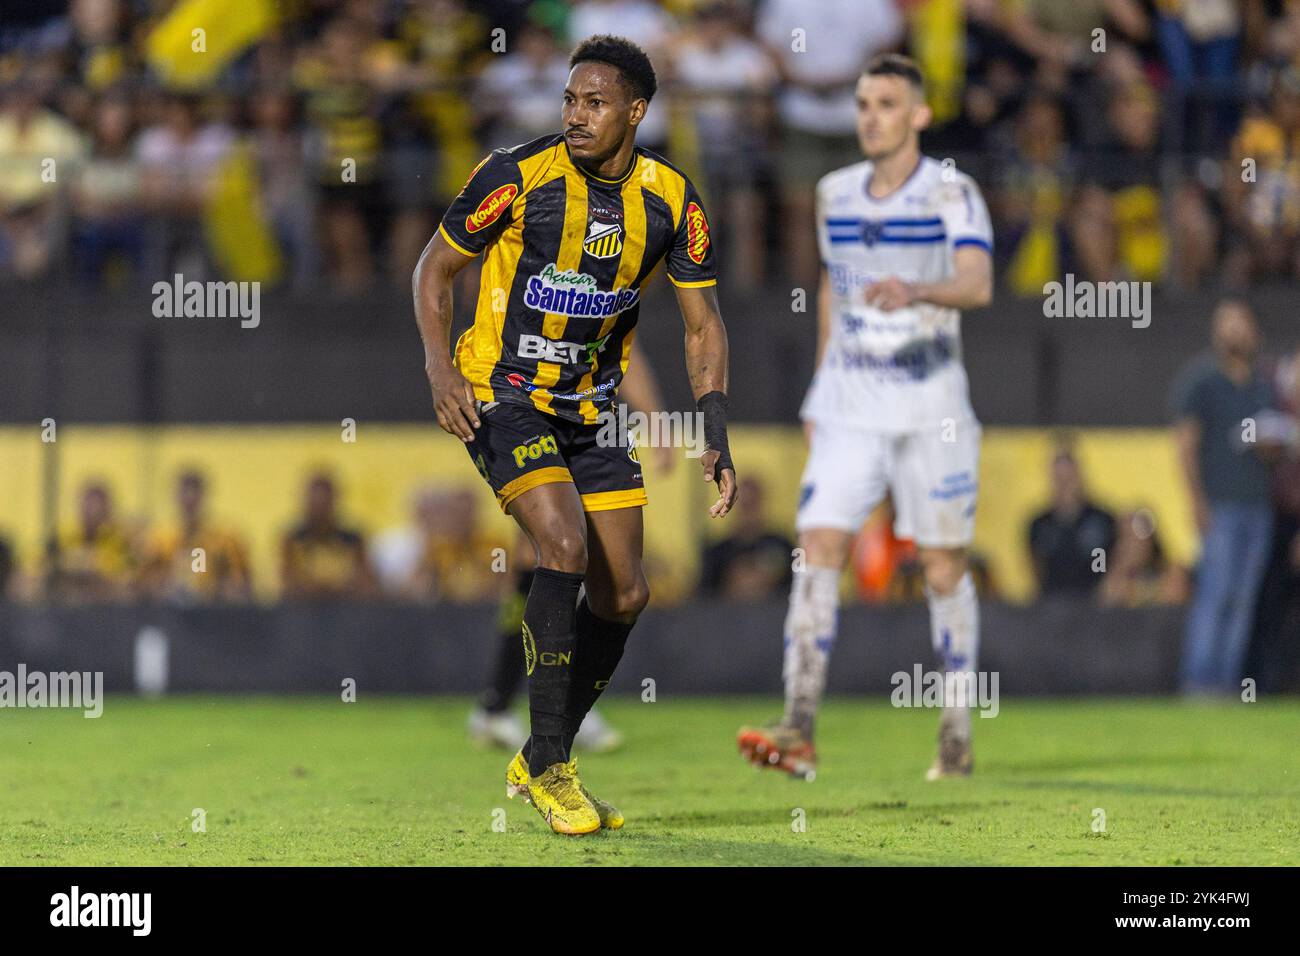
(823,224)
(690,262)
(965,216)
(484,207)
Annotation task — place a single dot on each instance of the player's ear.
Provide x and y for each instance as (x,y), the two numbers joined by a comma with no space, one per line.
(921,116)
(639,107)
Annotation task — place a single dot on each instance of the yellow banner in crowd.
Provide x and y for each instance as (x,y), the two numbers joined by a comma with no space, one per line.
(192,44)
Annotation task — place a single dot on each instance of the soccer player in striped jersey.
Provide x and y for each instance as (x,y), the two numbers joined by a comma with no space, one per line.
(571,226)
(906,244)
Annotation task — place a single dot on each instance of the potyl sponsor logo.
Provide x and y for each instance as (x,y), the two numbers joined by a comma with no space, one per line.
(697,233)
(534,449)
(490,209)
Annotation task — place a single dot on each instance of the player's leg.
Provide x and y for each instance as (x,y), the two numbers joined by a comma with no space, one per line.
(954,634)
(843,480)
(610,490)
(491,722)
(517,450)
(551,516)
(934,482)
(614,595)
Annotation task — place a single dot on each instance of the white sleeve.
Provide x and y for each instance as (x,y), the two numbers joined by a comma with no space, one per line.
(823,233)
(965,216)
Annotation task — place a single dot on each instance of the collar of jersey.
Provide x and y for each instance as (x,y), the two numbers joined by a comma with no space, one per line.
(866,183)
(608,182)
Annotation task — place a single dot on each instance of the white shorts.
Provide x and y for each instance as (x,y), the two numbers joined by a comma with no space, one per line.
(933,482)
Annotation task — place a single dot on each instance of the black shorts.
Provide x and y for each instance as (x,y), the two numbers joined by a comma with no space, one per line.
(517,447)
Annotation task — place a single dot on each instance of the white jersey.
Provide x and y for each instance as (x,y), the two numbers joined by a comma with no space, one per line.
(897,371)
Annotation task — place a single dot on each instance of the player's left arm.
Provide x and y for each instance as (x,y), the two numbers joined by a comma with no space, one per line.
(706,364)
(970,232)
(694,277)
(970,286)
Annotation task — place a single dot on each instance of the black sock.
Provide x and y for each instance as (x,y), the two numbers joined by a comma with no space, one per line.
(599,648)
(548,639)
(508,667)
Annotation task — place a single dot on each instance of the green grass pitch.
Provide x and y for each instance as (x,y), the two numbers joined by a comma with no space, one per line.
(305,780)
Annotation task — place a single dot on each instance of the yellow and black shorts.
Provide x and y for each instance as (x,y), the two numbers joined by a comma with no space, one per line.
(516,447)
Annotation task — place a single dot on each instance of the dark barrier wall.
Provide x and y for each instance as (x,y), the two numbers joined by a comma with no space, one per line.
(108,359)
(1051,648)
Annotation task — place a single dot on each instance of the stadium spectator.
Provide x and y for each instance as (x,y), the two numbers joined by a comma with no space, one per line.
(286,199)
(443,554)
(38,149)
(1067,540)
(1036,173)
(1117,227)
(1138,572)
(1261,188)
(753,562)
(1218,405)
(195,560)
(1061,37)
(346,140)
(179,158)
(320,558)
(107,227)
(728,80)
(815,106)
(520,92)
(96,562)
(1199,41)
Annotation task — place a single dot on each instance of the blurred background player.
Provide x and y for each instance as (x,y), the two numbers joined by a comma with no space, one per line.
(906,243)
(491,722)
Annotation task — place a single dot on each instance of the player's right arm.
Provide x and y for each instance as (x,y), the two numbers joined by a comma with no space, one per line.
(823,316)
(476,217)
(453,398)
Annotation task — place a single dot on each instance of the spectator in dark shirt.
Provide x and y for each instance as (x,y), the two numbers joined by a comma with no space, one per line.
(752,563)
(1065,539)
(1222,409)
(321,558)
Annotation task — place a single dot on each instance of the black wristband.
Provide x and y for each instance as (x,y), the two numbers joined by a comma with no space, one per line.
(713,407)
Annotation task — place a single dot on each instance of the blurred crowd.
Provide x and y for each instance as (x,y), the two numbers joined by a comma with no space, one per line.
(301,141)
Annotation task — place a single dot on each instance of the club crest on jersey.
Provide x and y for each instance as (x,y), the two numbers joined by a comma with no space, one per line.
(490,209)
(697,233)
(871,231)
(604,240)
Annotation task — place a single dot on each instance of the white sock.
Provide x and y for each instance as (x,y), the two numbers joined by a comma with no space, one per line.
(809,636)
(955,636)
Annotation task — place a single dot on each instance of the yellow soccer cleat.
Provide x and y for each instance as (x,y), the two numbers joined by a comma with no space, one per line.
(558,796)
(517,786)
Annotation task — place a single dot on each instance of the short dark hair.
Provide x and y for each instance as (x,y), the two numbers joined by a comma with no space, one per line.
(625,56)
(895,64)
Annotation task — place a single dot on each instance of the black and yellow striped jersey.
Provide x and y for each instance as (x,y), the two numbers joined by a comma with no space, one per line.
(567,255)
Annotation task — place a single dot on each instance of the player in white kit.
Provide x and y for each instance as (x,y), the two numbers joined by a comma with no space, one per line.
(906,244)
